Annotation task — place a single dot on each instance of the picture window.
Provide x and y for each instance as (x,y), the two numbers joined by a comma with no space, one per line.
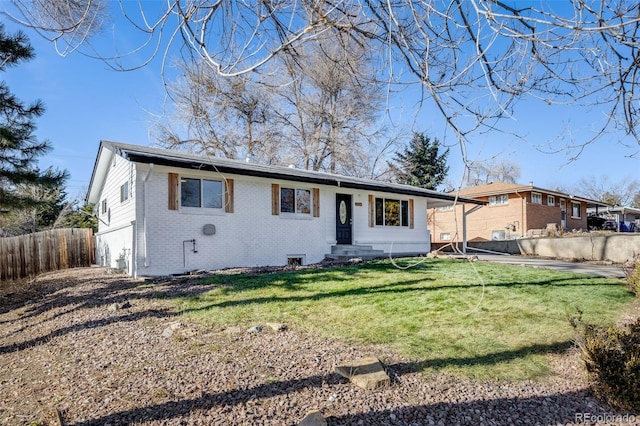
(391,212)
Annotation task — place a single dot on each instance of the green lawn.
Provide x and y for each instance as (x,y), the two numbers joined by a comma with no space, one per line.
(479,319)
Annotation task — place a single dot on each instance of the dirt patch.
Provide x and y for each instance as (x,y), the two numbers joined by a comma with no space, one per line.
(83,347)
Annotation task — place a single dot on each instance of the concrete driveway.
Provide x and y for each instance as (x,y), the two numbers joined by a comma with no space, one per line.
(607,271)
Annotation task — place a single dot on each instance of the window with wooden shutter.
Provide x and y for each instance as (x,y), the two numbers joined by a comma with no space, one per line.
(372,211)
(228,195)
(275,199)
(173,191)
(411,213)
(316,202)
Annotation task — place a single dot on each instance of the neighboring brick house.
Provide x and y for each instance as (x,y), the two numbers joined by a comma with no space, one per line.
(165,212)
(512,211)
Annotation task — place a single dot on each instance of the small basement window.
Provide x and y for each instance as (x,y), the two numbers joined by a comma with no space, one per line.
(296,260)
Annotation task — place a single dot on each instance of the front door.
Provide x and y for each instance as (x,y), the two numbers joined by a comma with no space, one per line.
(343,218)
(563,213)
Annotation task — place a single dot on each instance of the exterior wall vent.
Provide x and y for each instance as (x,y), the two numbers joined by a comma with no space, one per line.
(209,229)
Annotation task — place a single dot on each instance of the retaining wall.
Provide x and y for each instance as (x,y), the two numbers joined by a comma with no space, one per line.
(614,247)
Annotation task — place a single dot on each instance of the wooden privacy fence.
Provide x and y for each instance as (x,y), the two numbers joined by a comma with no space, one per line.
(31,254)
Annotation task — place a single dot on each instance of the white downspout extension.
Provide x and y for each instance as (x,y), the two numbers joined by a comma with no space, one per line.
(464,230)
(144,215)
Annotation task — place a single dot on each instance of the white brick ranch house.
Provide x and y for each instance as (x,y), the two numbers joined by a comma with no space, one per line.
(165,212)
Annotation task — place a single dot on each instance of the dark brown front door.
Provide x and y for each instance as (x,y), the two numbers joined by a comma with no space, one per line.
(343,218)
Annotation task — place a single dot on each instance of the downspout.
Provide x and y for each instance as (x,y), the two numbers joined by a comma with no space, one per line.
(464,229)
(522,222)
(144,215)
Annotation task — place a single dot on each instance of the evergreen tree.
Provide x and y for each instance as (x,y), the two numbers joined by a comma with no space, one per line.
(420,164)
(81,217)
(19,147)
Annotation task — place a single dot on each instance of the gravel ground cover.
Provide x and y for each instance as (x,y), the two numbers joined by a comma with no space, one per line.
(83,347)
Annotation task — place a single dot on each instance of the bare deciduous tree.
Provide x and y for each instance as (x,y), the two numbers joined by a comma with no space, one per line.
(623,193)
(481,172)
(229,117)
(318,110)
(330,107)
(474,58)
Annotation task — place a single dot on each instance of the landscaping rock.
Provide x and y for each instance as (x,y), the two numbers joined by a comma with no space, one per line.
(117,306)
(254,330)
(233,330)
(276,326)
(168,332)
(59,354)
(367,373)
(313,418)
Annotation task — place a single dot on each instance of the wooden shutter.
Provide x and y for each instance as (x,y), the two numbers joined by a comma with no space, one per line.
(275,199)
(411,213)
(173,191)
(316,202)
(228,195)
(372,211)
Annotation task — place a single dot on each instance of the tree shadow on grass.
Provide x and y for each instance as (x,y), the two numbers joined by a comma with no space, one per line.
(484,360)
(405,286)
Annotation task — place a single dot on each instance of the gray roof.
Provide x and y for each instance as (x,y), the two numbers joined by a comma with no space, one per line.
(157,156)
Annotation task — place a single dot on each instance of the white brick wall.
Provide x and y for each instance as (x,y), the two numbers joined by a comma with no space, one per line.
(391,239)
(250,236)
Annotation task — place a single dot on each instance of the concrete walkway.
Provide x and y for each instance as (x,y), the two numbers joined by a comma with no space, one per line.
(607,271)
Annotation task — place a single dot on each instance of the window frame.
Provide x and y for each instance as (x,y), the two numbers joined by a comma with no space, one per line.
(536,198)
(499,200)
(299,206)
(573,204)
(551,200)
(124,192)
(404,212)
(202,196)
(445,236)
(103,206)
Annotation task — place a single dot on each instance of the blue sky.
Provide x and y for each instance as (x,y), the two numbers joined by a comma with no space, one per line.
(87,101)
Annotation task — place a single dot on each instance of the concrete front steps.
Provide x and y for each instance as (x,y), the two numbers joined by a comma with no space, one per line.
(347,252)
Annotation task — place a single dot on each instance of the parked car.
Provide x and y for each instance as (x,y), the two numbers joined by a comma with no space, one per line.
(610,225)
(595,222)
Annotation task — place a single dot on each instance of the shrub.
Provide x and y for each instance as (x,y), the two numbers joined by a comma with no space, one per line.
(612,359)
(631,269)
